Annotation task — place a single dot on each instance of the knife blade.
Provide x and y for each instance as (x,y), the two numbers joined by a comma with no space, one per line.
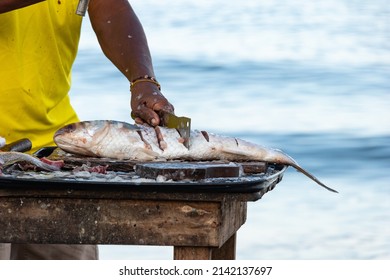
(181,124)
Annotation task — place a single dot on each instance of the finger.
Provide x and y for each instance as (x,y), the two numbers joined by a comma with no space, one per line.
(147,115)
(162,144)
(163,106)
(138,120)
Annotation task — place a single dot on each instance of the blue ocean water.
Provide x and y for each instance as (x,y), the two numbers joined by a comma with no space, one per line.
(309,77)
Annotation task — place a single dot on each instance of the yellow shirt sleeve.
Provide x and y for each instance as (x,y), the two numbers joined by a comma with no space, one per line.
(38,45)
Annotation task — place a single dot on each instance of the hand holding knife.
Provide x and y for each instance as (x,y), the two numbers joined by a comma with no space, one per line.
(181,124)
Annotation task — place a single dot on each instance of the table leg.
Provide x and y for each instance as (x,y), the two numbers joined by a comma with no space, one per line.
(226,252)
(192,253)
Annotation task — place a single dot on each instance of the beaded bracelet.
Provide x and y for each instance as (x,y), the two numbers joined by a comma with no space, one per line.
(145,78)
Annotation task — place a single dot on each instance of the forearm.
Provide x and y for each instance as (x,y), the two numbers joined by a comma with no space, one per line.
(121,37)
(123,41)
(10,5)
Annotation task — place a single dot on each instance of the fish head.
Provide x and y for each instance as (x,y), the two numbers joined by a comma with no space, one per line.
(97,138)
(77,138)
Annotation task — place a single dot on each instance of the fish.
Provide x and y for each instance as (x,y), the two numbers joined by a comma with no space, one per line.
(124,141)
(9,158)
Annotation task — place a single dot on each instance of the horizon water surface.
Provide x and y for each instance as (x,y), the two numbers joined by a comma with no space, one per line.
(310,78)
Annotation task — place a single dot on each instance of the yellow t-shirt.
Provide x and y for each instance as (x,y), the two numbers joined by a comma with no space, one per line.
(38,45)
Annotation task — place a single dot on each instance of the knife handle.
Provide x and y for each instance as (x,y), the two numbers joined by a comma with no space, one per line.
(21,145)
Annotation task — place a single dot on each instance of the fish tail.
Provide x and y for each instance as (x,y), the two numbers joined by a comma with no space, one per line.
(311,176)
(286,159)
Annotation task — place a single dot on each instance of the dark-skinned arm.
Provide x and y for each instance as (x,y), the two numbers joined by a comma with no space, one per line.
(10,5)
(123,41)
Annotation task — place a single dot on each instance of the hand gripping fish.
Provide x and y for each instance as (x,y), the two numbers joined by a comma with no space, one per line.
(120,140)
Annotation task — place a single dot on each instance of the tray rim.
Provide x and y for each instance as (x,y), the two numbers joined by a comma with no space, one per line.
(171,186)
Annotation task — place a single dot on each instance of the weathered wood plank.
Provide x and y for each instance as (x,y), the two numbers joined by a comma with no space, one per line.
(182,171)
(108,221)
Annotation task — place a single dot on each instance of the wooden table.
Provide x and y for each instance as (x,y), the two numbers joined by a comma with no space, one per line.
(200,225)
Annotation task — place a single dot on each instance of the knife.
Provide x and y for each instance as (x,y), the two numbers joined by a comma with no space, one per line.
(181,124)
(82,7)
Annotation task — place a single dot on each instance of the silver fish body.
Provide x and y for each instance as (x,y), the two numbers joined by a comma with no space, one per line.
(120,140)
(9,158)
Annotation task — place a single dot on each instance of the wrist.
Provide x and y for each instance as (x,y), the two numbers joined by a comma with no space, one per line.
(145,79)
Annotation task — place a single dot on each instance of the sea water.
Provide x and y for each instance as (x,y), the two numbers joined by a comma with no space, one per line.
(309,77)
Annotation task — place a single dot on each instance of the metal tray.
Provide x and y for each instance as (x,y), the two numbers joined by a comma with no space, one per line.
(245,184)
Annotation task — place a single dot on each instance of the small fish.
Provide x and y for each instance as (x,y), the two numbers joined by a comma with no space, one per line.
(9,158)
(120,140)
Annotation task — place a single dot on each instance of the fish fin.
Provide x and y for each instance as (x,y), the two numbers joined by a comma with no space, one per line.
(146,154)
(311,176)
